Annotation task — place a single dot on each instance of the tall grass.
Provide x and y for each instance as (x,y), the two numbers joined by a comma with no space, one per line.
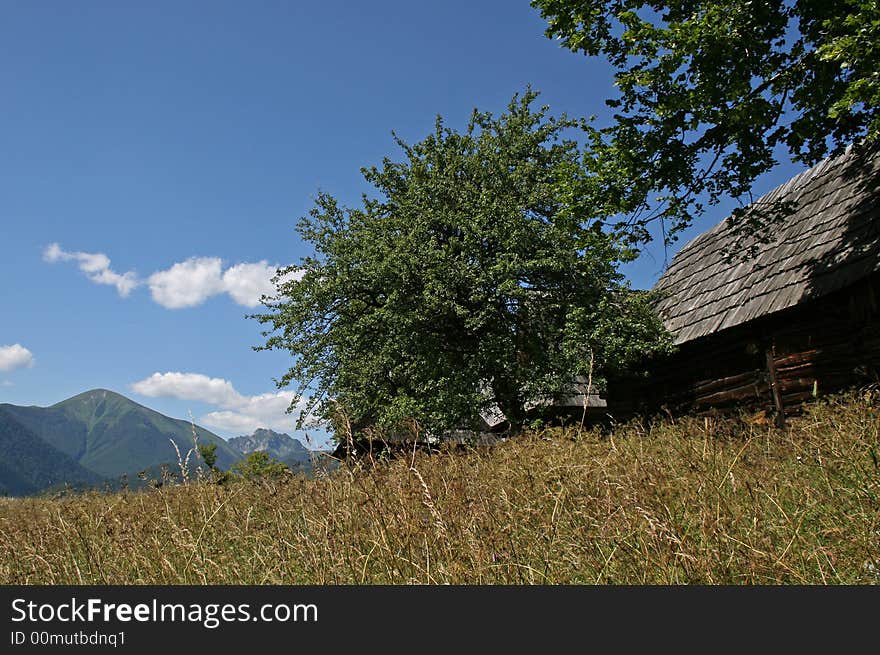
(696,500)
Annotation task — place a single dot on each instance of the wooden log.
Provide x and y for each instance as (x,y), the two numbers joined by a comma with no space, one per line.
(797,359)
(795,369)
(791,384)
(827,351)
(736,394)
(732,380)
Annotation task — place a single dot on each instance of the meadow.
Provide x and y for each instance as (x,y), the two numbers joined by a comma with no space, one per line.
(694,500)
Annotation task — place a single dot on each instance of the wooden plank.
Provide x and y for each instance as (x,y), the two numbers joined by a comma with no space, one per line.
(774,388)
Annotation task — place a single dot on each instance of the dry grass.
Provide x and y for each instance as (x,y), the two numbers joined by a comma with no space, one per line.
(690,501)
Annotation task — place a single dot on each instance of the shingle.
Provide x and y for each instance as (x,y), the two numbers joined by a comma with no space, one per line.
(830,240)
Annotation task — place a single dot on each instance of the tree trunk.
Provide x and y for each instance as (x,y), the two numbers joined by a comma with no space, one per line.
(509,399)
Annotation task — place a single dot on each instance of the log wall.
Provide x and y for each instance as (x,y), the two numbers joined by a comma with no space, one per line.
(818,346)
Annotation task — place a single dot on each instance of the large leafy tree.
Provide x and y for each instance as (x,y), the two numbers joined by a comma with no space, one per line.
(711,91)
(465,281)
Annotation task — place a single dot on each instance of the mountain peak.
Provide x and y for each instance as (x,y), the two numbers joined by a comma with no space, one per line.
(268,432)
(276,444)
(106,433)
(95,396)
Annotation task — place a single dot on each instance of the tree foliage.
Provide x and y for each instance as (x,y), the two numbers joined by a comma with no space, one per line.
(710,91)
(466,281)
(208,453)
(259,464)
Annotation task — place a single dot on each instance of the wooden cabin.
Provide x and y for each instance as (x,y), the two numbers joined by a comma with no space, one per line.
(798,319)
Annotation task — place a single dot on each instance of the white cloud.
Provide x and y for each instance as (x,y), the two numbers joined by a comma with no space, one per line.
(235,422)
(15,356)
(6,383)
(96,266)
(189,386)
(237,413)
(190,283)
(187,284)
(247,283)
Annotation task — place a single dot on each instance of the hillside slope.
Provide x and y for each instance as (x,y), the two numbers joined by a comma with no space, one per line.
(111,435)
(28,464)
(685,501)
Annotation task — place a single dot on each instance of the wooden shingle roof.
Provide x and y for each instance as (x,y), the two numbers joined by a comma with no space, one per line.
(830,240)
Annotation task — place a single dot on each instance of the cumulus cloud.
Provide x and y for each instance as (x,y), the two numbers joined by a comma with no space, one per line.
(236,422)
(188,283)
(237,413)
(96,266)
(247,283)
(15,356)
(184,284)
(189,386)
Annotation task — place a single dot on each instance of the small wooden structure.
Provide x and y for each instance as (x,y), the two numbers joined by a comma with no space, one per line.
(798,319)
(493,425)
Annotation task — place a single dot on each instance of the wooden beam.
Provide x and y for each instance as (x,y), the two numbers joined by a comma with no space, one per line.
(774,388)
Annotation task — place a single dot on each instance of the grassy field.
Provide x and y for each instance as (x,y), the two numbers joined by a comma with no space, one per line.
(687,501)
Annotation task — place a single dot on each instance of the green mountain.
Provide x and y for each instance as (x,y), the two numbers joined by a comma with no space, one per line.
(110,435)
(28,464)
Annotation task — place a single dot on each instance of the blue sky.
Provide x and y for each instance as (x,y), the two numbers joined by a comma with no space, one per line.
(156,156)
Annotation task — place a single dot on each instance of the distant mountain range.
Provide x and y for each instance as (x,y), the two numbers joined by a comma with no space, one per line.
(99,436)
(285,449)
(278,446)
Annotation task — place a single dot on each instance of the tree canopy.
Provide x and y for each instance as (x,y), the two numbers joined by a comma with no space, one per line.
(711,91)
(466,281)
